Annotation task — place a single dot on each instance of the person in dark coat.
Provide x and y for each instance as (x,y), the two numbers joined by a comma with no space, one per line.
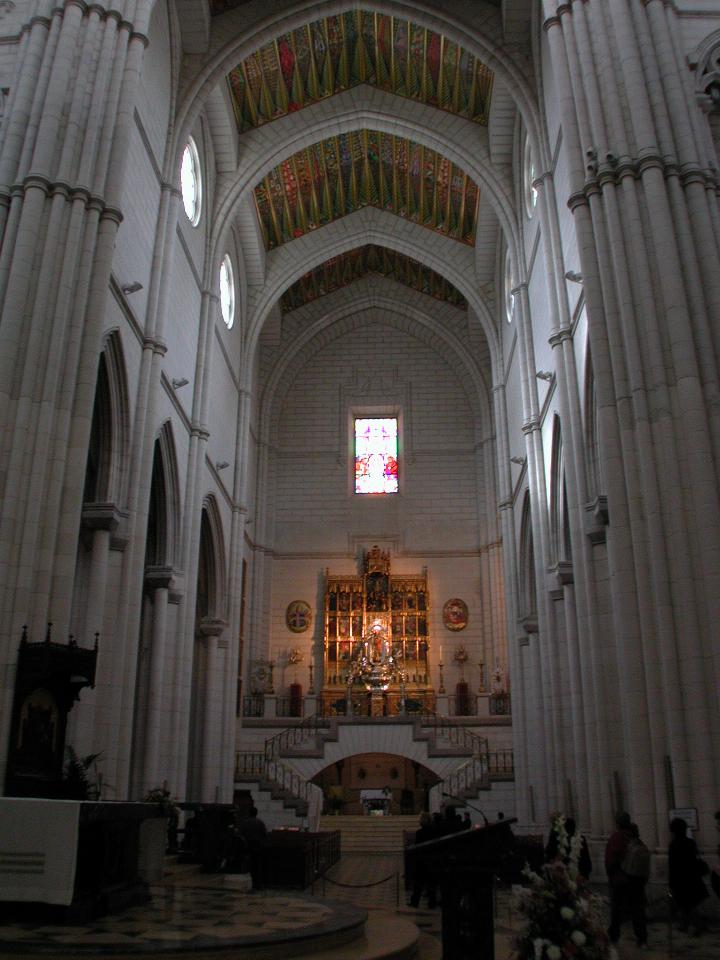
(685,873)
(615,852)
(253,831)
(424,879)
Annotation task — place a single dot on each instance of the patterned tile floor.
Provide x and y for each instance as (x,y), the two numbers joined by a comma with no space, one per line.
(189,913)
(193,911)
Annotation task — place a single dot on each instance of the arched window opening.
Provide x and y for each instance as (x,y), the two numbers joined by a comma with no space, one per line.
(191,182)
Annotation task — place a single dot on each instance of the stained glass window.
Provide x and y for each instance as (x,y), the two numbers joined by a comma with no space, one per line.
(376,465)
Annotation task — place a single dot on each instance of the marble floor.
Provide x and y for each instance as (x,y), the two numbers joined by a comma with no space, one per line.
(361,874)
(198,911)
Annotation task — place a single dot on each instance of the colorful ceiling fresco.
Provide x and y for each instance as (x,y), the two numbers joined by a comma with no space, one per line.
(366,168)
(341,51)
(355,264)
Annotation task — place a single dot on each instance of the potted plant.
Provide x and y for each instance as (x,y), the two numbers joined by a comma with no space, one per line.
(80,777)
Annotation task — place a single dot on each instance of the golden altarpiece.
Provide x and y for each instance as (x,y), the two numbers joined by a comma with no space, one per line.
(376,641)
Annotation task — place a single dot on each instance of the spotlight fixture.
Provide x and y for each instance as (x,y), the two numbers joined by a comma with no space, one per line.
(181,382)
(544,375)
(131,287)
(574,276)
(518,460)
(221,464)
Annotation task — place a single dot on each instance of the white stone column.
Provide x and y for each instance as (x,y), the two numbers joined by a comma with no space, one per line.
(60,185)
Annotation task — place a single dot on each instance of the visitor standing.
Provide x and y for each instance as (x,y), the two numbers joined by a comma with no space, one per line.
(685,877)
(636,867)
(615,852)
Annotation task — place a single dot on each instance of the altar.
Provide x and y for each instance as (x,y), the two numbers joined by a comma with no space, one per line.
(72,860)
(376,802)
(376,641)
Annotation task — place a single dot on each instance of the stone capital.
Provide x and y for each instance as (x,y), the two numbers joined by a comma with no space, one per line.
(159,577)
(211,626)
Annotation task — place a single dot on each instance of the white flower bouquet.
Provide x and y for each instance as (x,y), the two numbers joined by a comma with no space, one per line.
(563,920)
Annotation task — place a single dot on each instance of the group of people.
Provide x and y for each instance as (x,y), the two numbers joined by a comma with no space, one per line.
(627,865)
(231,843)
(433,826)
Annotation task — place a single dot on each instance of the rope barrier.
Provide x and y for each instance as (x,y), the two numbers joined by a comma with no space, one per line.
(355,886)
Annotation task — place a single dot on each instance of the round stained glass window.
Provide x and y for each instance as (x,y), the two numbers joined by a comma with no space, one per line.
(191,182)
(508,284)
(227,291)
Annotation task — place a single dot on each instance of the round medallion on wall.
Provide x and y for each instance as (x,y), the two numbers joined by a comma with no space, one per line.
(298,616)
(455,614)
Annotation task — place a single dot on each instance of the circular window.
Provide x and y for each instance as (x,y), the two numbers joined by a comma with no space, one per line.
(508,284)
(191,182)
(227,291)
(531,194)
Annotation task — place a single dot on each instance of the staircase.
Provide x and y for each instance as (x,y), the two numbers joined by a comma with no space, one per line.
(476,772)
(270,775)
(371,835)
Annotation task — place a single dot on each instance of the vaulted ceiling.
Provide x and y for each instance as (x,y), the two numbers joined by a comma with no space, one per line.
(345,269)
(334,177)
(366,168)
(359,46)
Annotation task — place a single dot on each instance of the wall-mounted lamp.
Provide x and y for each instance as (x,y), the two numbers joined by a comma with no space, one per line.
(544,375)
(518,460)
(574,276)
(221,464)
(131,287)
(181,382)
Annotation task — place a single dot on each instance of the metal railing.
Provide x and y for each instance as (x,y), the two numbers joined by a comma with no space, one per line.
(249,765)
(468,777)
(455,734)
(253,705)
(300,734)
(262,767)
(478,772)
(499,705)
(501,763)
(463,706)
(289,707)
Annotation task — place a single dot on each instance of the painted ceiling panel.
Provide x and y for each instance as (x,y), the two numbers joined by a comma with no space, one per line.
(366,168)
(359,46)
(340,271)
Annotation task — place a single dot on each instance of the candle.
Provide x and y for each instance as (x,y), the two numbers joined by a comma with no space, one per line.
(440,653)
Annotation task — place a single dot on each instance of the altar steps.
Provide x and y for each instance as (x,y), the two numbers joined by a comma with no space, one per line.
(369,834)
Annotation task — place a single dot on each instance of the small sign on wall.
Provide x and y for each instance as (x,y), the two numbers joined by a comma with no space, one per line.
(688,814)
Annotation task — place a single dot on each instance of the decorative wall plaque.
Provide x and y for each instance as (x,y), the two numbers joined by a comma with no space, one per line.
(298,616)
(455,614)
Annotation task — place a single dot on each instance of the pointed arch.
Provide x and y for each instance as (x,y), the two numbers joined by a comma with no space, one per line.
(164,511)
(107,462)
(212,569)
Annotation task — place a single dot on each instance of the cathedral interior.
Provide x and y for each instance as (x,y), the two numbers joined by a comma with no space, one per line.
(360,408)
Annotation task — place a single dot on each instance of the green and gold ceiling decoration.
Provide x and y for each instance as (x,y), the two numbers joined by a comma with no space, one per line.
(363,168)
(355,264)
(359,46)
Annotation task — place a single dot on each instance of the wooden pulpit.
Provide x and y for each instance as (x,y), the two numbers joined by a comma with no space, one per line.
(465,864)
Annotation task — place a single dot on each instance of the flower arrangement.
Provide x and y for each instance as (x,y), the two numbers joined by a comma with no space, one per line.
(563,920)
